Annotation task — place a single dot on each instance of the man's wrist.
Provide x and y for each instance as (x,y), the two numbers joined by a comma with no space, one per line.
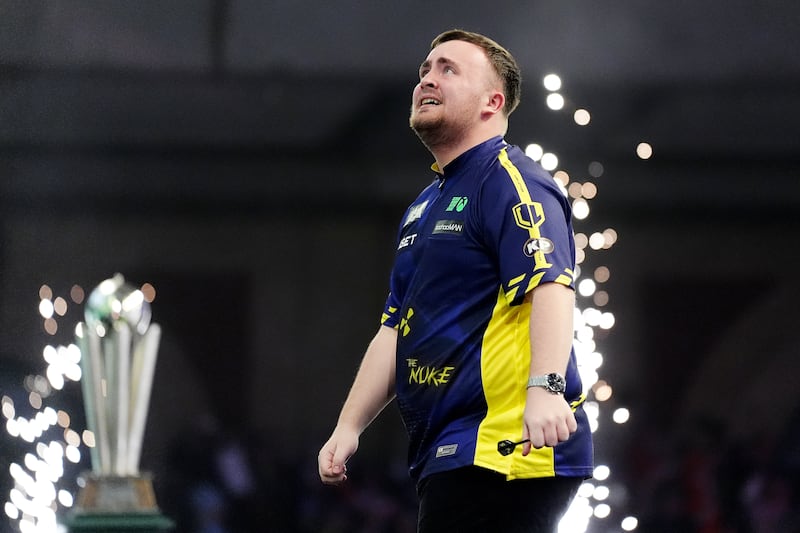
(552,382)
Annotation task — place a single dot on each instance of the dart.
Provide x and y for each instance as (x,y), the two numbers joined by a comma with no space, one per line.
(505,447)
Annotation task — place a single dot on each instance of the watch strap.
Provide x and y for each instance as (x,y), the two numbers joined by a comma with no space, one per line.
(553,382)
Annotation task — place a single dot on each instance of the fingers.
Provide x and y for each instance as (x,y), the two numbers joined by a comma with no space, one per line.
(330,473)
(572,424)
(546,435)
(331,470)
(526,446)
(340,458)
(549,432)
(333,456)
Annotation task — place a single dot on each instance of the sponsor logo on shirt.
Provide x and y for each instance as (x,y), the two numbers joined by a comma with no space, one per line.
(453,227)
(541,244)
(415,212)
(457,203)
(408,240)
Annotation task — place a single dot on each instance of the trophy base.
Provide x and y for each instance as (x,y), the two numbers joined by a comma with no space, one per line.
(118,504)
(119,523)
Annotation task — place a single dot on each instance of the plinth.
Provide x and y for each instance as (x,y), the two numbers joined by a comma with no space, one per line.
(117,504)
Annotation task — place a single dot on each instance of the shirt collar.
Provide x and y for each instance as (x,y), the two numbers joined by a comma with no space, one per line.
(489,146)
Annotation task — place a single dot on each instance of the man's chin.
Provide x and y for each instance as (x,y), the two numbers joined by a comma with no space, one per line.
(425,129)
(419,123)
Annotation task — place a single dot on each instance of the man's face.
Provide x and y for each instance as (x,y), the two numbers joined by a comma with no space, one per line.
(455,80)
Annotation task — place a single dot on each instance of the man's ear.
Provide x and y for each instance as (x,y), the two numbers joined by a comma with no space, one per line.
(495,102)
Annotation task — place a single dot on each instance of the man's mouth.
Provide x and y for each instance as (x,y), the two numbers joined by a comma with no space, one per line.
(429,101)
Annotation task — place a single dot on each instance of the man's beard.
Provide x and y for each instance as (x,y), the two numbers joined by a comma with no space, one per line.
(435,132)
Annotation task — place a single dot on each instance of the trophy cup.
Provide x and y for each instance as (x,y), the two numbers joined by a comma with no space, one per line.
(119,346)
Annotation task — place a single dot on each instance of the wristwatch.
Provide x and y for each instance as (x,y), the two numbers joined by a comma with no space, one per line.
(553,382)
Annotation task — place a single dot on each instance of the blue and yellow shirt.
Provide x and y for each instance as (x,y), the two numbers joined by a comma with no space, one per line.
(490,228)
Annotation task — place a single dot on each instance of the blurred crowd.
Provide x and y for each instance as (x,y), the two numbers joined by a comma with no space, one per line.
(696,480)
(224,482)
(703,479)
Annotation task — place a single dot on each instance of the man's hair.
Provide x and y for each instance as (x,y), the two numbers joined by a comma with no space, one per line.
(501,59)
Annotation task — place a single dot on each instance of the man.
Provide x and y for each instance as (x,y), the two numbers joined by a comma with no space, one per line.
(476,335)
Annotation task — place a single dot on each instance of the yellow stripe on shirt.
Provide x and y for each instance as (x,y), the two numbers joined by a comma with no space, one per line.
(528,215)
(505,364)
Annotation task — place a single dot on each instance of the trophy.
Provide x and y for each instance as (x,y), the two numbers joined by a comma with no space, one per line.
(119,347)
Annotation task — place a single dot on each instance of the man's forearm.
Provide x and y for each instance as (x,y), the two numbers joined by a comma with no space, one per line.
(552,308)
(374,384)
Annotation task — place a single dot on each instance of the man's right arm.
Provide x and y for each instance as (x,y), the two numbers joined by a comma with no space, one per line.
(373,388)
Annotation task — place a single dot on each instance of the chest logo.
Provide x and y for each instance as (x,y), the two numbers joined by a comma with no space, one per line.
(415,212)
(457,203)
(453,227)
(408,240)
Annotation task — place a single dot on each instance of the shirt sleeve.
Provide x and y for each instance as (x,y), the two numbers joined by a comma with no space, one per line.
(527,222)
(390,309)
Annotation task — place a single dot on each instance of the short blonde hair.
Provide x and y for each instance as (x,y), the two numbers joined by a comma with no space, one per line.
(501,59)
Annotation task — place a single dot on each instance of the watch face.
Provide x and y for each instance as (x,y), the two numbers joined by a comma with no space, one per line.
(555,383)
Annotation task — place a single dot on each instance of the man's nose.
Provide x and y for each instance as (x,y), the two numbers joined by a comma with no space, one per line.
(427,81)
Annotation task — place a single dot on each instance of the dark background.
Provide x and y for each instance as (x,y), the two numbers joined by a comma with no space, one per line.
(251,160)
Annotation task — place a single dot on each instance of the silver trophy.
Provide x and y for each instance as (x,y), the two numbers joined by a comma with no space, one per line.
(119,346)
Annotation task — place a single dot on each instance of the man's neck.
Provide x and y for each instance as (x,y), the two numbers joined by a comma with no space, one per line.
(447,153)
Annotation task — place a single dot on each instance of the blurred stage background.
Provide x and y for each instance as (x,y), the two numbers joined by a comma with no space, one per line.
(251,161)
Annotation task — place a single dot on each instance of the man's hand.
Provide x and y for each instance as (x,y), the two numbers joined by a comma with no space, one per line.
(334,454)
(547,420)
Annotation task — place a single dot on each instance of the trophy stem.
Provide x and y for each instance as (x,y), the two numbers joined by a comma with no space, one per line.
(90,403)
(122,394)
(99,393)
(144,365)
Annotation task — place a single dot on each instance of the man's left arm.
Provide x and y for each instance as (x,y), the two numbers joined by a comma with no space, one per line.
(548,418)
